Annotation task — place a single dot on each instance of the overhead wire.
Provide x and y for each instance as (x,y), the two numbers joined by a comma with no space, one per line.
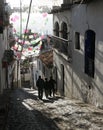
(27,24)
(24,36)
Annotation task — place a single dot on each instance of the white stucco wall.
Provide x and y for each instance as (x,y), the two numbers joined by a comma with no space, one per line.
(58,61)
(86,17)
(81,18)
(3,46)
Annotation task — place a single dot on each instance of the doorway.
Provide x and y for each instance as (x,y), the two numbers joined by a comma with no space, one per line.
(89,52)
(62,80)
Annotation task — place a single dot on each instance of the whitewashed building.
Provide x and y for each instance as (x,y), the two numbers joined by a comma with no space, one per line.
(6,40)
(78,49)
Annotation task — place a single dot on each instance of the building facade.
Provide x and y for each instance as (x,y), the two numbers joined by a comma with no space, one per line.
(6,41)
(78,50)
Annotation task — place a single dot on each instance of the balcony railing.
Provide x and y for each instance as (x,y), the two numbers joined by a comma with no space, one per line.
(81,1)
(60,44)
(67,1)
(66,6)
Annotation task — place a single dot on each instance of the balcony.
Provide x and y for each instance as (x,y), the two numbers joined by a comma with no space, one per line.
(80,1)
(67,1)
(66,6)
(60,44)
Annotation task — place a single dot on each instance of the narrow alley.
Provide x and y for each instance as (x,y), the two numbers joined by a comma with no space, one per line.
(27,112)
(55,46)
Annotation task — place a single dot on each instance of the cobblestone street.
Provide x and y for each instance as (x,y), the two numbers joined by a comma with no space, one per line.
(27,112)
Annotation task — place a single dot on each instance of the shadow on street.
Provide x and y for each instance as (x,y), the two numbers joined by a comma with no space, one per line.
(23,116)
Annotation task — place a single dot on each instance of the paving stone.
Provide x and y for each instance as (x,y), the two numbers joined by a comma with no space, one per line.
(27,112)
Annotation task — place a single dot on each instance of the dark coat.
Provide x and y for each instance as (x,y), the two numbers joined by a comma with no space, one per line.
(52,83)
(40,83)
(46,85)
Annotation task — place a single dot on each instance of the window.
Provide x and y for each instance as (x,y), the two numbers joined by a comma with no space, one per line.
(64,31)
(56,29)
(77,40)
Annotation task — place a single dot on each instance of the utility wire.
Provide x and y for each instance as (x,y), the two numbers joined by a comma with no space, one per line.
(27,23)
(20,18)
(24,33)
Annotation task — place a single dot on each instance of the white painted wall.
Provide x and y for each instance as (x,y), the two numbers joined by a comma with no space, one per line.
(80,18)
(3,46)
(89,17)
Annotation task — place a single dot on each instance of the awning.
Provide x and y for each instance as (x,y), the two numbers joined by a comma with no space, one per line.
(47,58)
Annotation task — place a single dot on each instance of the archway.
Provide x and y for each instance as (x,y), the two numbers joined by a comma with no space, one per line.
(56,33)
(64,31)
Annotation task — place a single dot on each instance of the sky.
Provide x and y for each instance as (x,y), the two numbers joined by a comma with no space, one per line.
(26,2)
(43,26)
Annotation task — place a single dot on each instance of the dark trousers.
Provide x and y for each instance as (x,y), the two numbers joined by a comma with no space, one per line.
(52,91)
(46,93)
(40,93)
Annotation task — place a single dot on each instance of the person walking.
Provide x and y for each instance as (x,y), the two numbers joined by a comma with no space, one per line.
(52,83)
(40,86)
(46,86)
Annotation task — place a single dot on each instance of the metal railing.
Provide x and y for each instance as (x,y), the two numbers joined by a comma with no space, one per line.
(65,2)
(60,44)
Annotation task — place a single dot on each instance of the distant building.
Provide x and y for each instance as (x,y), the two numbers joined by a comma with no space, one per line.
(6,54)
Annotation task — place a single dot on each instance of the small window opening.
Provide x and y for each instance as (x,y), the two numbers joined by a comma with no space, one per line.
(77,40)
